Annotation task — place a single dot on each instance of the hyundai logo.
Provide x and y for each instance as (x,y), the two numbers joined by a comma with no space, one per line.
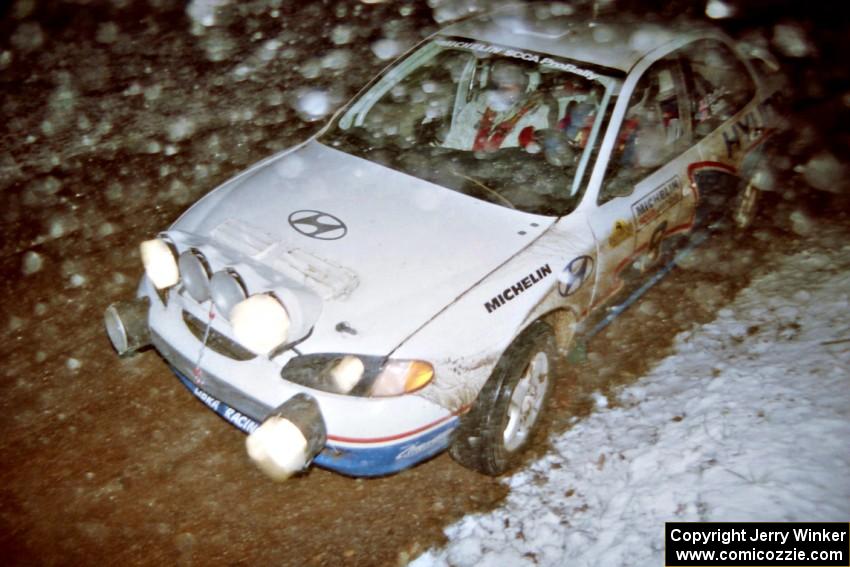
(317,224)
(574,275)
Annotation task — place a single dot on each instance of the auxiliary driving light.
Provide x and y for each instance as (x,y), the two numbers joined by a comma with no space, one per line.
(260,323)
(127,325)
(196,274)
(289,439)
(226,290)
(160,263)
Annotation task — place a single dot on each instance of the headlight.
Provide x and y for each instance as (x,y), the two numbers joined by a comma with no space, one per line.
(160,263)
(260,323)
(196,274)
(358,375)
(226,290)
(401,377)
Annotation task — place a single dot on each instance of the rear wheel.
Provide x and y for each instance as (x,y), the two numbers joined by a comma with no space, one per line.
(494,434)
(746,207)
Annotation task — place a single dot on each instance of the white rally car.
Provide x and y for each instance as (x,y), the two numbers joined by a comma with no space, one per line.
(406,280)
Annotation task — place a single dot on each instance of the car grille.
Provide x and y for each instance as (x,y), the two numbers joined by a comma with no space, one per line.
(216,341)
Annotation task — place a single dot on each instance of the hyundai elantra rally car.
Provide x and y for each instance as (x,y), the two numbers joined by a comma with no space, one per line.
(406,281)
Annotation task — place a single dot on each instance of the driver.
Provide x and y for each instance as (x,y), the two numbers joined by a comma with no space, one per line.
(504,115)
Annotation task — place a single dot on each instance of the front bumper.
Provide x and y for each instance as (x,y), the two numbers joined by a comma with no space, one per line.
(365,460)
(365,437)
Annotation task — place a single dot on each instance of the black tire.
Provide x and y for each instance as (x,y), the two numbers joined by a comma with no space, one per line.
(487,440)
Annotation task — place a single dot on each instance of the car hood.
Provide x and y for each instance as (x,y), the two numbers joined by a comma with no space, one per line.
(386,251)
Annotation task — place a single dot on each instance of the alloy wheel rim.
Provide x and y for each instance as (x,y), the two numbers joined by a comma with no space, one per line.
(526,402)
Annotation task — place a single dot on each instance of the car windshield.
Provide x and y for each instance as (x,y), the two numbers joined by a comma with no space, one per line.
(503,125)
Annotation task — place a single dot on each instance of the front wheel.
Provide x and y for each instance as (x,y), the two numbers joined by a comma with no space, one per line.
(493,435)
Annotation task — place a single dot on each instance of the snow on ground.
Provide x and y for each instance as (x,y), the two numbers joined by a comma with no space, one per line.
(748,420)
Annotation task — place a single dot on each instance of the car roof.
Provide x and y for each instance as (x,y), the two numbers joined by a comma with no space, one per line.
(615,43)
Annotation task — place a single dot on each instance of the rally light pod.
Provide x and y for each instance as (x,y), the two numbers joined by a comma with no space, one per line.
(127,325)
(303,307)
(227,289)
(260,323)
(160,261)
(196,274)
(289,439)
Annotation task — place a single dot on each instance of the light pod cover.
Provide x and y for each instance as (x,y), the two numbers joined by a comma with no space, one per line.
(260,323)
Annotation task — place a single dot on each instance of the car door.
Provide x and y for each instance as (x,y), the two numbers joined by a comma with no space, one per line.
(720,89)
(638,207)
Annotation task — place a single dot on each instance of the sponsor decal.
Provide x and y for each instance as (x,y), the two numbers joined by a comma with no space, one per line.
(243,422)
(622,231)
(569,67)
(206,398)
(518,54)
(472,45)
(657,201)
(318,224)
(512,292)
(431,445)
(574,274)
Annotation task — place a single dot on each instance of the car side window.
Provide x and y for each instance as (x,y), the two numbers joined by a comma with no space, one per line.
(719,83)
(652,132)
